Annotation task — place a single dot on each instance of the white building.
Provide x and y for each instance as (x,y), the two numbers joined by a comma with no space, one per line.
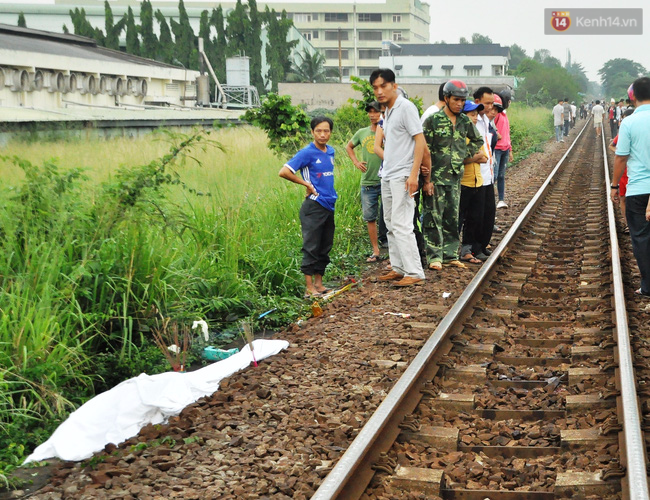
(475,64)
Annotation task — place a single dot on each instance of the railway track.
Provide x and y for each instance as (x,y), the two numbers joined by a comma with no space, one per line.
(526,389)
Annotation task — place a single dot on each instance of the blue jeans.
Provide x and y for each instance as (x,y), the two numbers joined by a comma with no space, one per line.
(370,202)
(558,133)
(640,235)
(500,164)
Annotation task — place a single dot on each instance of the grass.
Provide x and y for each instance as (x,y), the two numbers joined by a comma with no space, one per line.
(98,238)
(530,128)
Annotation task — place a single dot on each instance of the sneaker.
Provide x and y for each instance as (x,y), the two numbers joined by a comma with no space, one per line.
(393,275)
(502,204)
(409,281)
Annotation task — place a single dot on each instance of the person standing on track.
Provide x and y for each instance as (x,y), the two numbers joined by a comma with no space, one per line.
(316,165)
(403,154)
(503,151)
(558,120)
(566,115)
(446,132)
(598,113)
(633,153)
(370,181)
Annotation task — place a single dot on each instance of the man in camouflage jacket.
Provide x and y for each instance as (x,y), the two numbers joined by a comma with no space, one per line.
(446,133)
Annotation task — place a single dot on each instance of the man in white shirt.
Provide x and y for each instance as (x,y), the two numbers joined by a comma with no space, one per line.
(598,111)
(558,120)
(436,107)
(574,109)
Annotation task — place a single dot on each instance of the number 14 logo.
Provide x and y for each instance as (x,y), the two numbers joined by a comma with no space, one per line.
(560,21)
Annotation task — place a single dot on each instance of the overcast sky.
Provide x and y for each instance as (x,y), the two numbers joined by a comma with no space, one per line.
(514,21)
(522,22)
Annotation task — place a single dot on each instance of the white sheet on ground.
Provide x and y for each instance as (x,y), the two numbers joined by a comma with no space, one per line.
(119,413)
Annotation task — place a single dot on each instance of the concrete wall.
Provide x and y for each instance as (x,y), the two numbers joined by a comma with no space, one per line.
(333,95)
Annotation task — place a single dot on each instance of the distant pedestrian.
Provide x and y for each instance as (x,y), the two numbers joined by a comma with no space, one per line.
(597,111)
(446,133)
(503,151)
(368,164)
(633,153)
(558,120)
(566,115)
(611,116)
(574,110)
(315,163)
(403,154)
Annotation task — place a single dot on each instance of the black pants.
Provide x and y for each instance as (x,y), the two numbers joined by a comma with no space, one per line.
(640,234)
(382,230)
(317,224)
(613,128)
(470,218)
(489,213)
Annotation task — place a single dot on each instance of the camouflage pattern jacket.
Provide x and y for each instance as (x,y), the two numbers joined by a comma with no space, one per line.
(448,146)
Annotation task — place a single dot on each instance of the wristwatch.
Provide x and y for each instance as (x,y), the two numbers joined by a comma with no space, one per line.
(613,187)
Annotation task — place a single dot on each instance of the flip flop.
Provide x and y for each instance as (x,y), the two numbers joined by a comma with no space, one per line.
(435,266)
(456,263)
(373,258)
(469,258)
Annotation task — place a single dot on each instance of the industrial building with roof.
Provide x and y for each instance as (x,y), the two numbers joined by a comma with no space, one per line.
(47,77)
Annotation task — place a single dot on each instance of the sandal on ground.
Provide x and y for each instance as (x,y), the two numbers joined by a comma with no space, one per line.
(456,263)
(309,295)
(373,258)
(435,266)
(470,259)
(639,292)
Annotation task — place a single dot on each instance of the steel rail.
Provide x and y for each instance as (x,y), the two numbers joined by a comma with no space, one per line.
(637,479)
(337,484)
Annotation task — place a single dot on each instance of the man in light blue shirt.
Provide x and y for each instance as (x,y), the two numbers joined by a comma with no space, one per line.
(633,153)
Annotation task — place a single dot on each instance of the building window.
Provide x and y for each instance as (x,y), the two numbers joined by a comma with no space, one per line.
(447,72)
(332,17)
(301,18)
(426,72)
(447,69)
(366,36)
(397,36)
(398,70)
(369,53)
(497,70)
(473,72)
(345,71)
(310,35)
(369,18)
(334,54)
(314,35)
(366,71)
(334,35)
(397,18)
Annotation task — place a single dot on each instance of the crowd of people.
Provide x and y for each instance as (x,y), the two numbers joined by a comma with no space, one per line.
(445,163)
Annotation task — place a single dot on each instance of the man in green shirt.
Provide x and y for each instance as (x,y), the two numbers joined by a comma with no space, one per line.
(446,133)
(369,166)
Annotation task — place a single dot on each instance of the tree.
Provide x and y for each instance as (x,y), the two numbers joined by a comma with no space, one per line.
(132,40)
(478,38)
(83,27)
(544,57)
(237,28)
(517,54)
(309,69)
(578,72)
(185,49)
(278,49)
(619,66)
(219,44)
(21,20)
(543,85)
(255,46)
(166,42)
(113,31)
(149,47)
